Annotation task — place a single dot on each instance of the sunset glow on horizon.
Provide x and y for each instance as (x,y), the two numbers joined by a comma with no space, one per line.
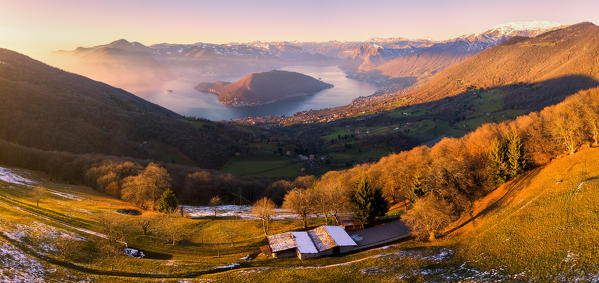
(37,28)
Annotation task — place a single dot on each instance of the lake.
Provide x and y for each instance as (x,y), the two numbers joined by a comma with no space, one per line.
(181,97)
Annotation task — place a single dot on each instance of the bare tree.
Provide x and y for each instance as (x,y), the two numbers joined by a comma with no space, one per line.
(229,231)
(301,201)
(331,198)
(172,228)
(38,193)
(428,216)
(67,247)
(112,246)
(264,208)
(146,188)
(567,127)
(589,104)
(144,222)
(214,203)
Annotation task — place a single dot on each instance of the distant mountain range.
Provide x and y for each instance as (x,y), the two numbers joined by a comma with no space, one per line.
(540,69)
(373,60)
(397,62)
(263,88)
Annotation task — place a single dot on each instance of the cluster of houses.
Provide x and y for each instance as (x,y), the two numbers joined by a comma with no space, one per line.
(332,240)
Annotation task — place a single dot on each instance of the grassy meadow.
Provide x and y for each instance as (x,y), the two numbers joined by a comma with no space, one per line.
(540,226)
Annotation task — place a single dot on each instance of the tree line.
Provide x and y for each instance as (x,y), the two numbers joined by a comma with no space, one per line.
(109,174)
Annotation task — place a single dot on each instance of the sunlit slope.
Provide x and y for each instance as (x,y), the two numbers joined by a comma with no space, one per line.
(543,224)
(565,52)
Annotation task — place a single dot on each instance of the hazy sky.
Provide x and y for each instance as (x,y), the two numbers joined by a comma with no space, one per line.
(39,27)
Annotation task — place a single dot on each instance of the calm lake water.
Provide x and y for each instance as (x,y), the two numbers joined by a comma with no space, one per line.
(181,97)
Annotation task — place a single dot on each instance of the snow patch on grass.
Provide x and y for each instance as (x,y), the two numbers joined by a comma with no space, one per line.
(16,266)
(9,176)
(40,234)
(232,265)
(239,211)
(440,255)
(250,271)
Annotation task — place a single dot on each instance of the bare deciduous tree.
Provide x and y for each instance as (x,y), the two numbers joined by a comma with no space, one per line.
(301,201)
(172,228)
(264,208)
(38,193)
(214,203)
(67,247)
(114,243)
(146,188)
(567,127)
(144,222)
(428,216)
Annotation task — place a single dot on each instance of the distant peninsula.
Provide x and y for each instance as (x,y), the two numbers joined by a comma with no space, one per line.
(264,88)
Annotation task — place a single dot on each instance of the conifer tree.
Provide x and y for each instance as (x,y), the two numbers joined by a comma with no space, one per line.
(368,202)
(168,202)
(515,155)
(497,163)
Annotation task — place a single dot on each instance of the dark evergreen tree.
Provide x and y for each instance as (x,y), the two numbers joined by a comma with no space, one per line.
(516,163)
(497,163)
(168,202)
(367,201)
(506,158)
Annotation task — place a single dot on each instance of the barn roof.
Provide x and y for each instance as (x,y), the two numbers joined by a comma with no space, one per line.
(281,242)
(340,236)
(328,237)
(381,234)
(304,243)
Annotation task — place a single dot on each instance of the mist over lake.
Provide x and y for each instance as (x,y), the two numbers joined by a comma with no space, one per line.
(182,97)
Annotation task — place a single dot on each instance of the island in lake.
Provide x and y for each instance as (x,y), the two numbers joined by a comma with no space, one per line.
(264,88)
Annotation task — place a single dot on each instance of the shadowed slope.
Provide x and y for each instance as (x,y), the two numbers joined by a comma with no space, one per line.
(47,108)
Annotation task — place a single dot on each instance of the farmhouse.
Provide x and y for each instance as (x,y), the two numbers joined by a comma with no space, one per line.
(324,240)
(332,240)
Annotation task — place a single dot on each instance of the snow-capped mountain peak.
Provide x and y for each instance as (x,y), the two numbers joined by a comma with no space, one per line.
(531,28)
(502,32)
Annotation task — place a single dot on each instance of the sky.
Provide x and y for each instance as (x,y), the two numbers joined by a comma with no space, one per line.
(38,27)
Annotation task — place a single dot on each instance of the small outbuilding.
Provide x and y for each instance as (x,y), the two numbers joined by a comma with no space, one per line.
(282,245)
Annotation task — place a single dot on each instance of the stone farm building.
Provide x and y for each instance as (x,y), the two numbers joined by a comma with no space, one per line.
(331,240)
(324,240)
